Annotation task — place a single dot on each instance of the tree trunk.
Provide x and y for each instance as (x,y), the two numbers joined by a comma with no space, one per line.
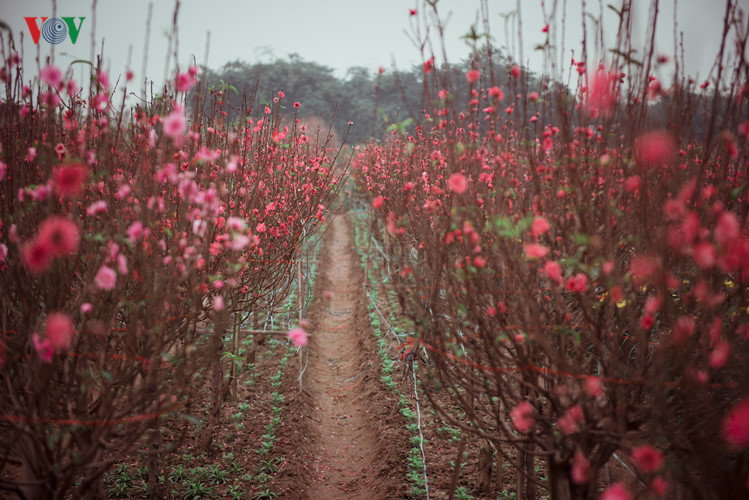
(559,481)
(485,468)
(498,473)
(217,341)
(531,487)
(156,490)
(235,353)
(520,478)
(456,470)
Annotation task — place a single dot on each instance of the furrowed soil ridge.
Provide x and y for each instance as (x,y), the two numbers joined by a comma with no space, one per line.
(348,442)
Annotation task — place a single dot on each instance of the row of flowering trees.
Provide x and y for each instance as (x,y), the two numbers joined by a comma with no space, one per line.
(579,284)
(122,230)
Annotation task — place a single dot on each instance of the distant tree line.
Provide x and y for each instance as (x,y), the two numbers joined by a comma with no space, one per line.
(376,99)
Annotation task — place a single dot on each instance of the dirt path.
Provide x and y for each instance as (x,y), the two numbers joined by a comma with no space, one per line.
(351,457)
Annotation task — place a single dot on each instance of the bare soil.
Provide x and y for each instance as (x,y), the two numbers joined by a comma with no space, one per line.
(349,442)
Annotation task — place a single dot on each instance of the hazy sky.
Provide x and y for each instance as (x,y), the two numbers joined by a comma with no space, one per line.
(337,33)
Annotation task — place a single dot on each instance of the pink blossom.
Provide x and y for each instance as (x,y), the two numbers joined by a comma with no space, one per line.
(97,207)
(134,231)
(174,124)
(616,491)
(105,278)
(103,79)
(60,235)
(522,417)
(632,184)
(653,304)
(122,264)
(593,386)
(37,256)
(185,81)
(736,425)
(51,75)
(298,336)
(603,93)
(43,348)
(704,255)
(458,183)
(655,149)
(239,241)
(684,328)
(60,331)
(86,307)
(647,458)
(377,202)
(726,229)
(236,224)
(473,76)
(643,269)
(719,355)
(570,421)
(218,303)
(123,191)
(496,93)
(607,268)
(581,470)
(260,228)
(535,251)
(540,225)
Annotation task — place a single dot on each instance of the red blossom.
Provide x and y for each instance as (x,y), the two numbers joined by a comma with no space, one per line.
(43,348)
(37,256)
(581,469)
(736,425)
(659,486)
(617,491)
(429,65)
(70,179)
(577,283)
(647,458)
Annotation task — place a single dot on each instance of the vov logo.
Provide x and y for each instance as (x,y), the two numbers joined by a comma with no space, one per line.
(54,30)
